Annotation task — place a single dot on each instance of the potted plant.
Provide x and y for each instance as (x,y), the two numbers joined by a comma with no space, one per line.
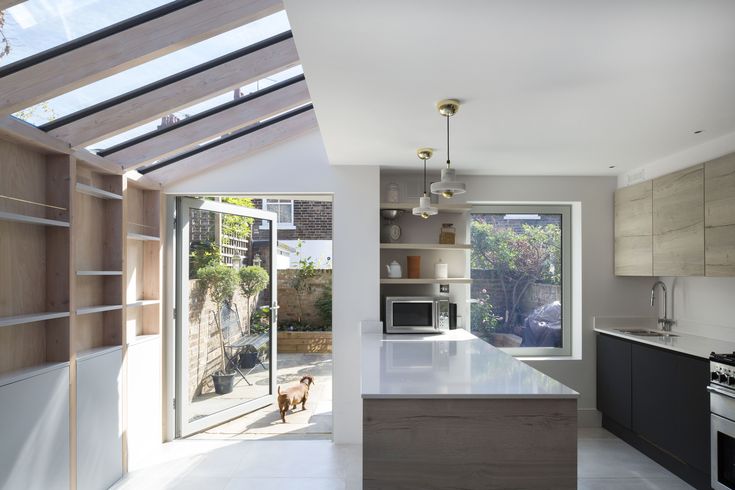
(253,279)
(220,282)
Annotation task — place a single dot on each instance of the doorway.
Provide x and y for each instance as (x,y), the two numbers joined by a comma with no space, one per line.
(263,335)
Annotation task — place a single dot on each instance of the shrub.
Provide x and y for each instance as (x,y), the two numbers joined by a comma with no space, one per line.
(253,279)
(324,306)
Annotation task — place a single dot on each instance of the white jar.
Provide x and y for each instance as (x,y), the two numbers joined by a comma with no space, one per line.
(441,270)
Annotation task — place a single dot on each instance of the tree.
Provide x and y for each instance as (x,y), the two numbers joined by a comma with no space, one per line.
(234,225)
(220,282)
(253,279)
(302,281)
(518,259)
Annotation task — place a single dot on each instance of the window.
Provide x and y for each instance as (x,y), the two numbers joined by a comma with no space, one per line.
(283,208)
(521,278)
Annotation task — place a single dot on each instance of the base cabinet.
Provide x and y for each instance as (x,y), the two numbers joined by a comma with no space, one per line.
(667,403)
(99,420)
(144,409)
(34,446)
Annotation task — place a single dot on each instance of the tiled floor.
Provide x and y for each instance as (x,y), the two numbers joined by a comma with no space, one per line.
(605,463)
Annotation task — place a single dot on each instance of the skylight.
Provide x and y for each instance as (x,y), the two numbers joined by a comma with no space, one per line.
(37,25)
(153,70)
(195,109)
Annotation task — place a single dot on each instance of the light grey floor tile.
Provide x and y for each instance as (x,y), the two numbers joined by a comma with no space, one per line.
(672,483)
(613,458)
(283,483)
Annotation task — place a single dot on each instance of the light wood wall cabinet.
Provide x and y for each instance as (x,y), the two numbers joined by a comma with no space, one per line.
(80,261)
(719,216)
(678,223)
(634,230)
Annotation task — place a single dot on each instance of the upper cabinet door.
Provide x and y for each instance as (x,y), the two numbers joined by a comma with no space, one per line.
(634,230)
(678,223)
(719,216)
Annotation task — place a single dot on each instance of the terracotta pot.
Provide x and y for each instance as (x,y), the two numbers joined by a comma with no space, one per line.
(414,266)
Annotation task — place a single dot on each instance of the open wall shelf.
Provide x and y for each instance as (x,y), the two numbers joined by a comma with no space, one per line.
(31,318)
(96,192)
(424,246)
(142,263)
(31,220)
(99,273)
(451,280)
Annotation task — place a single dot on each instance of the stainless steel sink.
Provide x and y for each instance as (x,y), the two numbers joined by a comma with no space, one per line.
(646,333)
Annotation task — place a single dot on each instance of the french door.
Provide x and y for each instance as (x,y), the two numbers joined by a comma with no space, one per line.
(225,348)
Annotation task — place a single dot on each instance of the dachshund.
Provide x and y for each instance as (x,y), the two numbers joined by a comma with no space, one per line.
(294,395)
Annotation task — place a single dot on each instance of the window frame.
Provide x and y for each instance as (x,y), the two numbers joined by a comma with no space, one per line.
(567,278)
(265,225)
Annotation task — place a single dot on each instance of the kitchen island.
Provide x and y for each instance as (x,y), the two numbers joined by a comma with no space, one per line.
(451,411)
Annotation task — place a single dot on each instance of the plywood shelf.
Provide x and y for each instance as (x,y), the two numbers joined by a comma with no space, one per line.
(424,246)
(451,280)
(141,237)
(97,192)
(139,339)
(29,372)
(443,208)
(143,302)
(32,220)
(99,273)
(97,351)
(8,321)
(88,310)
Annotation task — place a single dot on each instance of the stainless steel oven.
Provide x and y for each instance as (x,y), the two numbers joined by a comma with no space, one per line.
(722,425)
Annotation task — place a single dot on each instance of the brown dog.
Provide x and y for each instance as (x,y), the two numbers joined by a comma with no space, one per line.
(294,395)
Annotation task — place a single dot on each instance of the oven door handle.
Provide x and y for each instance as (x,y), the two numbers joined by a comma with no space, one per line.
(713,389)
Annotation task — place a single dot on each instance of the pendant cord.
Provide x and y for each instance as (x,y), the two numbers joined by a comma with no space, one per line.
(424,176)
(447,141)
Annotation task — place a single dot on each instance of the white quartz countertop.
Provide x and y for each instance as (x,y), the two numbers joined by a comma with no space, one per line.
(683,342)
(455,364)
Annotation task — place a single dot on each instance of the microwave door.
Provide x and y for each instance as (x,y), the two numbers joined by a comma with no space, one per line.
(412,316)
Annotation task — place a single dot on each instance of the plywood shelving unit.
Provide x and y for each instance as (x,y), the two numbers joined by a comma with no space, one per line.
(34,269)
(98,243)
(143,262)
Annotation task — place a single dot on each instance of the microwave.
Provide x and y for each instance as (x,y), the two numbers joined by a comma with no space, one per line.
(418,314)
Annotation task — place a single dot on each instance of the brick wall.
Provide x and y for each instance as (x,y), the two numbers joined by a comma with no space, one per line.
(287,299)
(312,220)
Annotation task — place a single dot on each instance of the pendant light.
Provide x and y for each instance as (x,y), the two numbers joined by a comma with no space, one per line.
(448,185)
(424,209)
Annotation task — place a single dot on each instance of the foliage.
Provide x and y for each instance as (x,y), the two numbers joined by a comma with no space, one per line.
(220,281)
(302,327)
(260,320)
(303,280)
(4,43)
(253,279)
(484,319)
(234,225)
(202,254)
(324,305)
(518,259)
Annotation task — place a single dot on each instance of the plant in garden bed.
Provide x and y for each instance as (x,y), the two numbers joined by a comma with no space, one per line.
(303,281)
(484,320)
(324,305)
(220,282)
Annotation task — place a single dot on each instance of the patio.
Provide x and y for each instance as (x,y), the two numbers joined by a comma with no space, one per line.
(313,423)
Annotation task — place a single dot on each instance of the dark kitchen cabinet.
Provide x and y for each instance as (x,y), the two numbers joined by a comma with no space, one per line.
(613,379)
(665,412)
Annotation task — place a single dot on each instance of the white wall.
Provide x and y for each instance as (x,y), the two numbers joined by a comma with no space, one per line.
(301,166)
(602,294)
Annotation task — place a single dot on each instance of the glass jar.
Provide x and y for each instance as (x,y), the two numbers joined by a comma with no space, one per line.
(447,234)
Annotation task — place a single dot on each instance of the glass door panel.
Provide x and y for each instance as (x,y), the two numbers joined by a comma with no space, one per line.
(226,313)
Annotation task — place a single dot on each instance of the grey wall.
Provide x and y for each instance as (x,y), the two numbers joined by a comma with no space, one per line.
(602,294)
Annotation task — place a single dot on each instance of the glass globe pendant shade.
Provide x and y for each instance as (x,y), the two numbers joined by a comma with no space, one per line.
(448,185)
(424,209)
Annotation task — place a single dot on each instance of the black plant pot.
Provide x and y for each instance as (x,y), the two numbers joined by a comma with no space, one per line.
(248,359)
(223,383)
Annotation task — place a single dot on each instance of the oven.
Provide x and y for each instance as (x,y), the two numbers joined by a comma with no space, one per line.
(722,426)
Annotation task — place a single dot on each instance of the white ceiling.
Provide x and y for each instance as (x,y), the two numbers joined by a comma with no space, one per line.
(548,87)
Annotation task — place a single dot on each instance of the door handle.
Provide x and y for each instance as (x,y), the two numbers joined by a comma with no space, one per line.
(713,389)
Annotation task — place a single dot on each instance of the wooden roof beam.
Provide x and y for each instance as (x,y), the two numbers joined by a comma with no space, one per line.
(125,49)
(190,133)
(152,104)
(6,4)
(238,148)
